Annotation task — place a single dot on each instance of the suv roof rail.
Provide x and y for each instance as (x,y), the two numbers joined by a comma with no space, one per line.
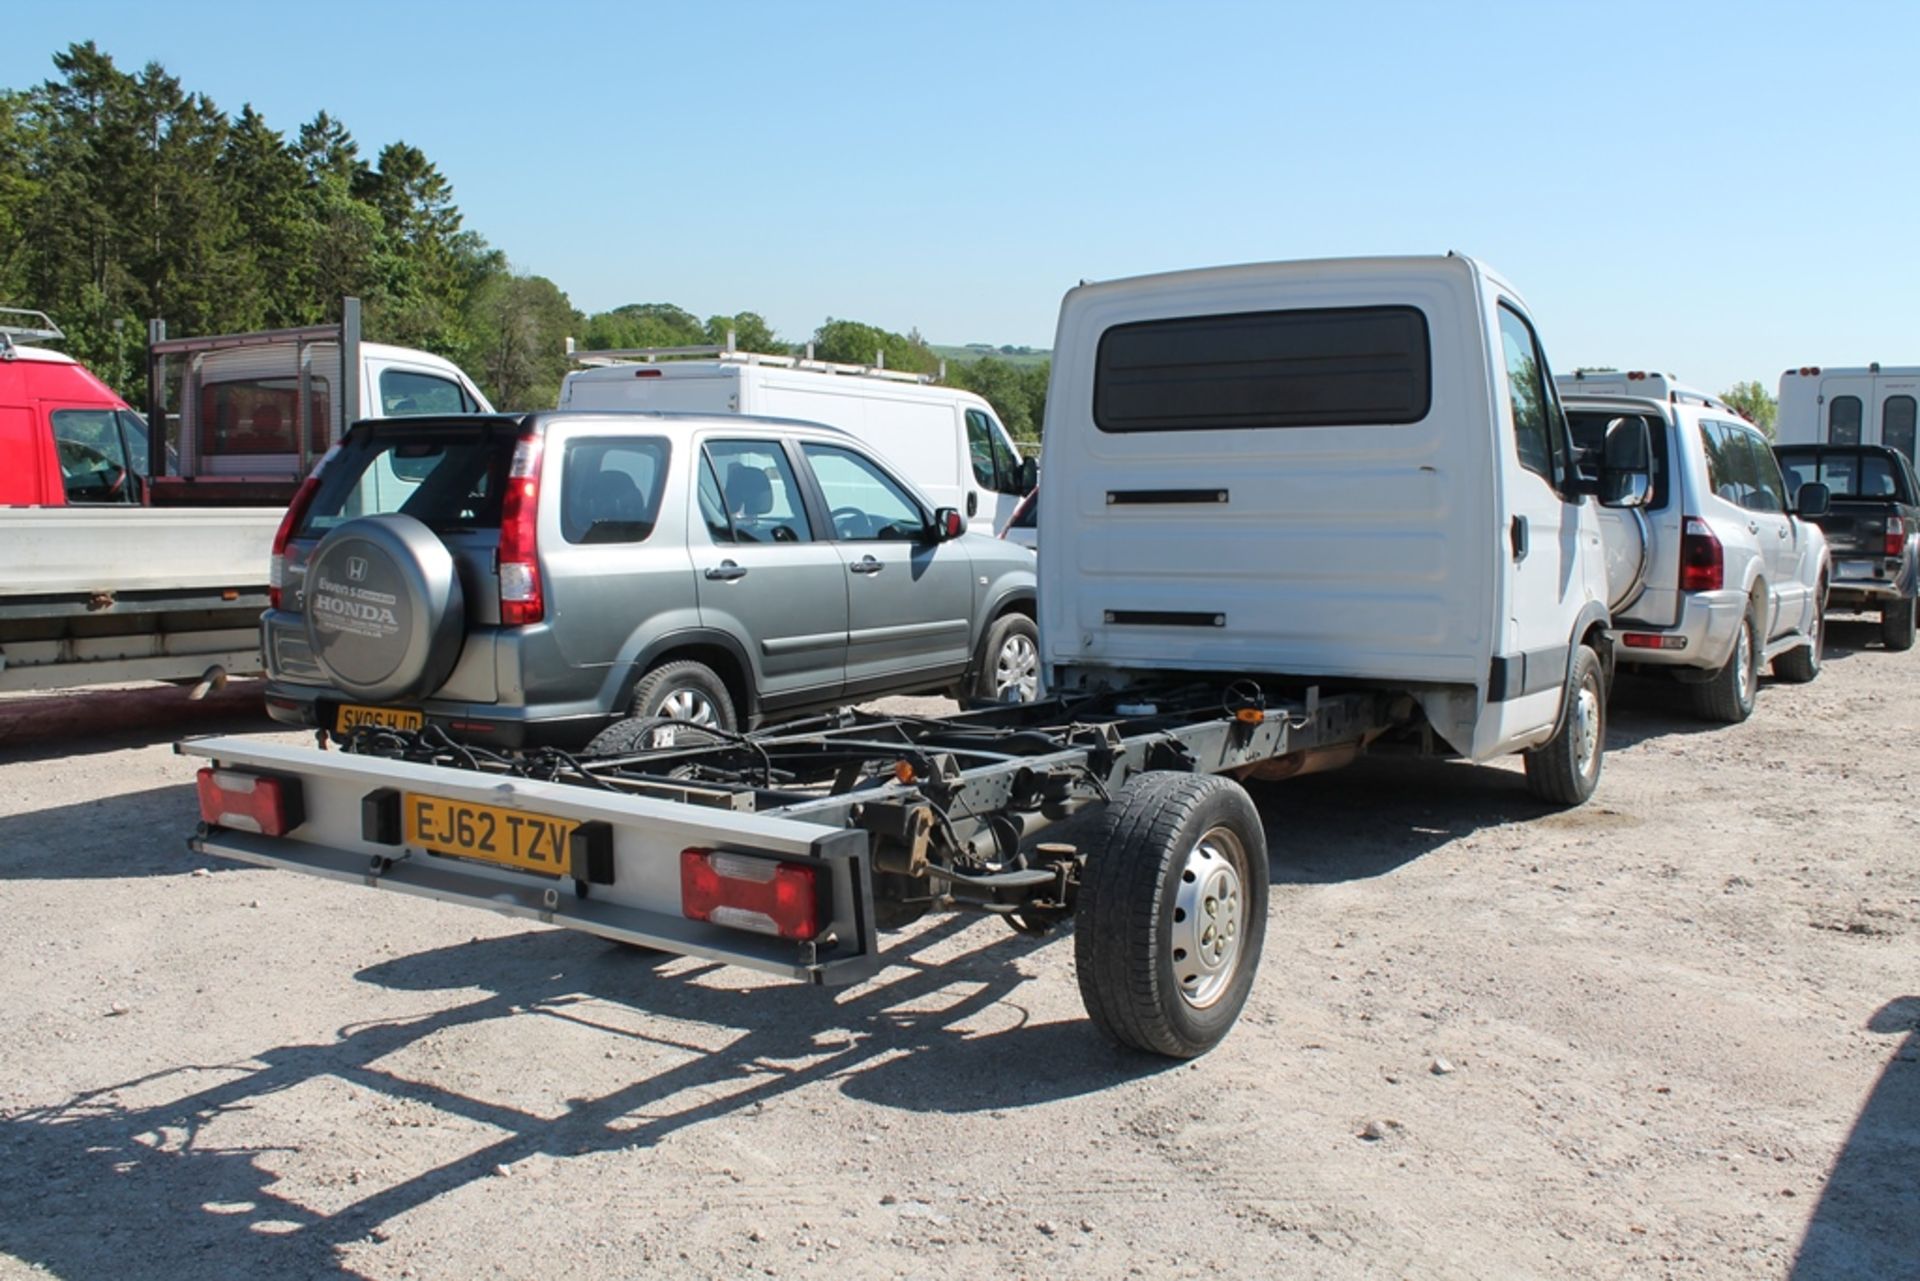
(18,325)
(730,351)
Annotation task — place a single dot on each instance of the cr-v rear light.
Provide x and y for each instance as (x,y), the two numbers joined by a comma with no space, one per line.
(1896,538)
(295,514)
(1703,565)
(748,893)
(521,600)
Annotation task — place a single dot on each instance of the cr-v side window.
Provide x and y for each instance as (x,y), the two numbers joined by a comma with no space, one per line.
(1537,434)
(761,499)
(1843,420)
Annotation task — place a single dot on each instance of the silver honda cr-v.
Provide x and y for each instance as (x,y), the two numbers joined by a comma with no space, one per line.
(526,580)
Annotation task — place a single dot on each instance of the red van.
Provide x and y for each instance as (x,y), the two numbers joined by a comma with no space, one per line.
(65,437)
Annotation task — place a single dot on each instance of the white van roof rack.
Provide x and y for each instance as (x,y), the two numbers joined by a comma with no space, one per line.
(730,352)
(19,325)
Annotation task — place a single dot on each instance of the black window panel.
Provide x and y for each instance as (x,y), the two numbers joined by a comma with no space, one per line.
(1589,429)
(1897,424)
(1843,421)
(1325,367)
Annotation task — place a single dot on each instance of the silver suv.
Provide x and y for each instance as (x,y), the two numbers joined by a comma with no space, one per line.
(528,580)
(1724,570)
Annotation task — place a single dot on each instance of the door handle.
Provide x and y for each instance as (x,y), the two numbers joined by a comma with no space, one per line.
(726,572)
(866,565)
(1517,535)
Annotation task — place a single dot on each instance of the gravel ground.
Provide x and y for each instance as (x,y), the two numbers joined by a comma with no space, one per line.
(1671,1034)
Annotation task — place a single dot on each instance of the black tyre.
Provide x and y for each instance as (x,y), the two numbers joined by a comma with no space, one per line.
(1897,625)
(1727,696)
(681,691)
(1798,666)
(1567,769)
(384,612)
(1172,913)
(1007,669)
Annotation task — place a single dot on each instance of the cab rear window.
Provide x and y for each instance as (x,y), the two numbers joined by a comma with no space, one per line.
(449,479)
(1846,473)
(1319,367)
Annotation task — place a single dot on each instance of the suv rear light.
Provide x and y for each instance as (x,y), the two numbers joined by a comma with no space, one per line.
(743,892)
(1702,563)
(250,802)
(1896,538)
(521,601)
(296,513)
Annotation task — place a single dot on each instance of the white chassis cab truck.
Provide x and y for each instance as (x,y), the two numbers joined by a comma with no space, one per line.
(1297,511)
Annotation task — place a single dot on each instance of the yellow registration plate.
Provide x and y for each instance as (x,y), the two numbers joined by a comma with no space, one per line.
(352,716)
(514,838)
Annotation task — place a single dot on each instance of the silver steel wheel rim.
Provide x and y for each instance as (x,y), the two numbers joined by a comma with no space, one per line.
(1016,669)
(1208,919)
(1586,727)
(689,706)
(1743,660)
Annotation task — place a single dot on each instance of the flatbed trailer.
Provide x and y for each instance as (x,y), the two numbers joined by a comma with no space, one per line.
(790,851)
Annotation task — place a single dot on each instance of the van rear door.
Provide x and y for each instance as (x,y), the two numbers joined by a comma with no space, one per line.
(1844,405)
(1279,468)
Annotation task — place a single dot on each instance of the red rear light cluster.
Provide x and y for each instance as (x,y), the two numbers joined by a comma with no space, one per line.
(743,892)
(1896,538)
(295,514)
(521,601)
(1703,566)
(1652,640)
(250,802)
(646,373)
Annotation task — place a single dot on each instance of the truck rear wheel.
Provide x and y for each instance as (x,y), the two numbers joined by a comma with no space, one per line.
(1897,625)
(1567,769)
(1172,913)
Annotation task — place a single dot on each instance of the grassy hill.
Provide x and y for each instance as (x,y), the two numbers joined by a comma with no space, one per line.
(961,355)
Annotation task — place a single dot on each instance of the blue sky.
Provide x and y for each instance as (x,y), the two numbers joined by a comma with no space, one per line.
(1719,190)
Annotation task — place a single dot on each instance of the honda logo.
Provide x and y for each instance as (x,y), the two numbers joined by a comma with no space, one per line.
(356,568)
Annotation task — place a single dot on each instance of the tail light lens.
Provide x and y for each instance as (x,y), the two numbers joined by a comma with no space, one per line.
(1896,538)
(747,893)
(1703,566)
(296,513)
(250,802)
(521,600)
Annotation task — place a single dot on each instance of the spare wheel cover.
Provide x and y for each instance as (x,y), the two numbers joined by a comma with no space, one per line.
(385,615)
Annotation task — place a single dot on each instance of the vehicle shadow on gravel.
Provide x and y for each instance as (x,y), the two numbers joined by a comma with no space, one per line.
(1381,813)
(137,834)
(939,1030)
(1867,1223)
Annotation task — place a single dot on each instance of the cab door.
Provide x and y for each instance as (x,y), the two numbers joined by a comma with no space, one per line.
(1547,546)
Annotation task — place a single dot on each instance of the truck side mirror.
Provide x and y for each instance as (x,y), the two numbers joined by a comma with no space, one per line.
(948,524)
(1026,476)
(1626,464)
(1813,500)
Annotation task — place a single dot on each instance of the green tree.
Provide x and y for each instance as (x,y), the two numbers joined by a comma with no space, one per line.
(750,330)
(1753,403)
(520,325)
(644,324)
(853,343)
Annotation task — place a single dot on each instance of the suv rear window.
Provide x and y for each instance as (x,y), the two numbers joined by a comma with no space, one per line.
(1589,430)
(1324,367)
(448,478)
